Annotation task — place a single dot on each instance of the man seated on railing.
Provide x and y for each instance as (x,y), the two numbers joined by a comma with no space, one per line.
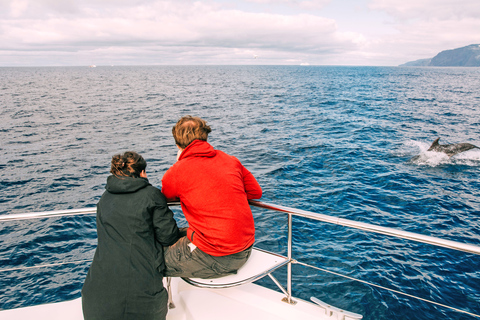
(213,188)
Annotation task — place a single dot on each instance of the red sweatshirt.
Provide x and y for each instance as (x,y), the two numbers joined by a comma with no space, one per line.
(214,189)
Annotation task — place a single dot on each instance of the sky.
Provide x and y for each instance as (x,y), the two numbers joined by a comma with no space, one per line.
(241,32)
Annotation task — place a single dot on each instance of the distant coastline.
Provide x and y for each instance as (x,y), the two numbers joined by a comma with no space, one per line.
(468,56)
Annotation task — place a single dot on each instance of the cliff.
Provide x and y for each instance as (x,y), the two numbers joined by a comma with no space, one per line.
(468,56)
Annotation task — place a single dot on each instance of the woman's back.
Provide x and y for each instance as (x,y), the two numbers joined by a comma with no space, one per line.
(125,280)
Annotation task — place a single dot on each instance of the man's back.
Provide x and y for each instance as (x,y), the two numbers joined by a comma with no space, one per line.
(214,188)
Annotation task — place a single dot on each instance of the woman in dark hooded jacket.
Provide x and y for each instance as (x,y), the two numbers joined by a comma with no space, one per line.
(133,224)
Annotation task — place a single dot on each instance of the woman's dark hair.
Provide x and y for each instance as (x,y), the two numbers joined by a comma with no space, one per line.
(128,164)
(188,129)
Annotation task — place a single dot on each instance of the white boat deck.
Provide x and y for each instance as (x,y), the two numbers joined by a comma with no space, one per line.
(249,301)
(233,297)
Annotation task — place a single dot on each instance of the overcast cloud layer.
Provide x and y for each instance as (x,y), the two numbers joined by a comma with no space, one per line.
(316,32)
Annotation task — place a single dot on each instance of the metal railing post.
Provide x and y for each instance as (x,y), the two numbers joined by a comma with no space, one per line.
(289,265)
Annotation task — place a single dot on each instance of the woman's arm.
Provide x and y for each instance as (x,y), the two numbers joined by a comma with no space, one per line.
(166,229)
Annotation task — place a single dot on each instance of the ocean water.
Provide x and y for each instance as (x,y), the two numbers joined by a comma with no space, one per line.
(332,140)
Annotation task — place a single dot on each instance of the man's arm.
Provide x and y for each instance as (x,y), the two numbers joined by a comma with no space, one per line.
(252,188)
(168,186)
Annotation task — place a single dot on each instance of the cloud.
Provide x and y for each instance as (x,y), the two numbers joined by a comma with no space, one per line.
(305,4)
(165,24)
(217,32)
(429,9)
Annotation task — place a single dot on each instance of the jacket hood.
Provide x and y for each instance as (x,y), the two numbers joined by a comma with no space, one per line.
(198,148)
(125,184)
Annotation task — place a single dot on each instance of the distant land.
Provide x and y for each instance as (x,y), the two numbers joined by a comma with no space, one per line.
(468,56)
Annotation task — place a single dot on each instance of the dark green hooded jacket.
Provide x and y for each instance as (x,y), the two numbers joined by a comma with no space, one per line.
(125,279)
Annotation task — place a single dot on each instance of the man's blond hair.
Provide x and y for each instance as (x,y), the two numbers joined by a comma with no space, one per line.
(188,129)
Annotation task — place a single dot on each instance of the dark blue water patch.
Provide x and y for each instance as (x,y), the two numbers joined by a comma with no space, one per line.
(5,183)
(59,283)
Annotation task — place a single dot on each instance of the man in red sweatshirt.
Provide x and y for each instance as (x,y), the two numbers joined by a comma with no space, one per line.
(213,188)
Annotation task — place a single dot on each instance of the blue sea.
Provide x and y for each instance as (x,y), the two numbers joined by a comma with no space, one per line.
(327,139)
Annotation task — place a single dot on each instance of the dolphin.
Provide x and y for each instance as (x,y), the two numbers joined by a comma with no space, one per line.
(450,149)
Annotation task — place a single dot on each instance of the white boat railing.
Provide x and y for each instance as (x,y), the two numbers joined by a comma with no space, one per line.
(459,246)
(371,228)
(47,214)
(290,211)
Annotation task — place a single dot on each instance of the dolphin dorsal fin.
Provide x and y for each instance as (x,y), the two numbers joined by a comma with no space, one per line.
(434,144)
